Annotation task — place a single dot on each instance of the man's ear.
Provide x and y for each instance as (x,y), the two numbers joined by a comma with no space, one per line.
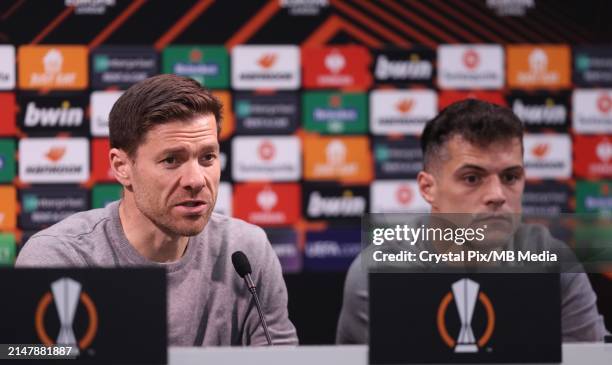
(427,186)
(121,166)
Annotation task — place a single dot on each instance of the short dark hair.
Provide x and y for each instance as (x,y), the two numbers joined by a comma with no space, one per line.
(157,100)
(478,122)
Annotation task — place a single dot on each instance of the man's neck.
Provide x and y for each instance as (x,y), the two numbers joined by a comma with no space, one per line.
(148,239)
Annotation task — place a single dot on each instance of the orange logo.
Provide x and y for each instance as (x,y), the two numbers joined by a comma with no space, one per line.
(466,341)
(604,103)
(471,59)
(268,60)
(53,67)
(337,158)
(55,154)
(540,150)
(227,113)
(405,105)
(60,288)
(538,66)
(8,208)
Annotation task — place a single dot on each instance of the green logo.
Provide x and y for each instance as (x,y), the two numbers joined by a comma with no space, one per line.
(30,202)
(592,232)
(582,62)
(7,160)
(7,249)
(101,63)
(208,65)
(382,153)
(104,194)
(594,197)
(335,113)
(243,108)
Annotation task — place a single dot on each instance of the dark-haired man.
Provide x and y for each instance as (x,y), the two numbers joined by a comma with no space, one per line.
(165,152)
(473,163)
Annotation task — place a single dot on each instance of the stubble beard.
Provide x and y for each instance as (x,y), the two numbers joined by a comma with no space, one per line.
(164,221)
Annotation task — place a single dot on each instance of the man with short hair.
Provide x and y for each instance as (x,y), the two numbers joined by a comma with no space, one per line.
(473,163)
(165,152)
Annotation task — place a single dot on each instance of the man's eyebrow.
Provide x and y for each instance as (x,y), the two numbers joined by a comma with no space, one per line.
(471,167)
(211,147)
(480,168)
(512,168)
(172,150)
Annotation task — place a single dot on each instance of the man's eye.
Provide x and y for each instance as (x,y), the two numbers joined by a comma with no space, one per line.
(471,179)
(510,178)
(169,160)
(209,157)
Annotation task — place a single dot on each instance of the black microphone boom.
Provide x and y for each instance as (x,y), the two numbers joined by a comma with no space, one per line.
(243,268)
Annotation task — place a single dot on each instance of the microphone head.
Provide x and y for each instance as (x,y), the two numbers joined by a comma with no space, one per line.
(241,263)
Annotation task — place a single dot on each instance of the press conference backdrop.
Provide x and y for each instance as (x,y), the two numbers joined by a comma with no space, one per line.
(324,102)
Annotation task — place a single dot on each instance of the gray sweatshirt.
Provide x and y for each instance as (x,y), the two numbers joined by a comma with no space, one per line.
(208,303)
(580,320)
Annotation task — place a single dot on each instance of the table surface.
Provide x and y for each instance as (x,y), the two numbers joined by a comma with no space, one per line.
(573,354)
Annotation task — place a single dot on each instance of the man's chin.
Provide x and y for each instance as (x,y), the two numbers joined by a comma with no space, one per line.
(493,239)
(188,231)
(187,227)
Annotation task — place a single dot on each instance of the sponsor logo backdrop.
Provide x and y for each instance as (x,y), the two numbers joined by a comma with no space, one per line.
(318,129)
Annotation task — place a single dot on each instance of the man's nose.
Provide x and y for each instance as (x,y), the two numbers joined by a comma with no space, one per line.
(495,194)
(192,177)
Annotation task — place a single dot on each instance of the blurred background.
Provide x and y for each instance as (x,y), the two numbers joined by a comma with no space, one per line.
(324,103)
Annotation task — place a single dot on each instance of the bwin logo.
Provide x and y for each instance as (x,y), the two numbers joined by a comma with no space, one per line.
(346,205)
(64,116)
(465,293)
(66,293)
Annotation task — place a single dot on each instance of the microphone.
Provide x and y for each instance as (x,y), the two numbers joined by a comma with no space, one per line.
(243,268)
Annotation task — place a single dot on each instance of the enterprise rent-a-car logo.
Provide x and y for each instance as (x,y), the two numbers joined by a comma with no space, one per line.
(275,113)
(122,66)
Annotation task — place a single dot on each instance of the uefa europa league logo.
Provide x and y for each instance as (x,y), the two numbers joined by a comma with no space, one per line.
(465,293)
(66,293)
